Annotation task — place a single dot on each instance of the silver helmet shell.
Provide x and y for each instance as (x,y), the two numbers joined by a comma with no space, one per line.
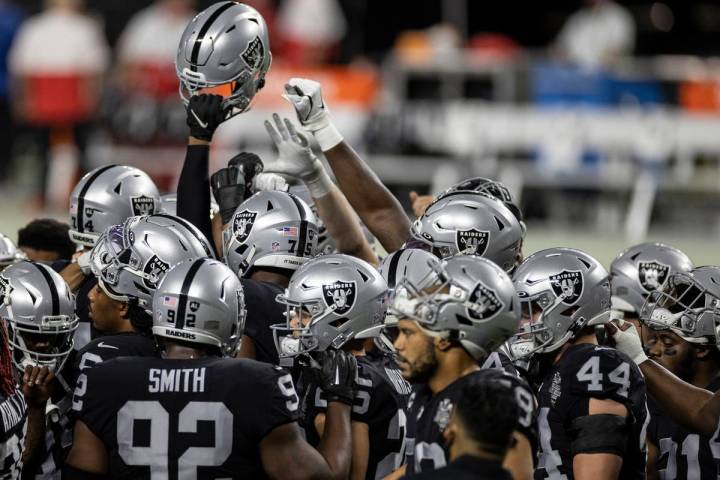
(472,301)
(200,302)
(9,252)
(130,259)
(419,267)
(338,298)
(471,223)
(641,270)
(225,44)
(107,196)
(38,306)
(561,290)
(270,229)
(688,305)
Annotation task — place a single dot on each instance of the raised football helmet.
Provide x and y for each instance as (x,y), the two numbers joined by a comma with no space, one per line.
(200,301)
(39,310)
(9,253)
(471,223)
(561,290)
(688,305)
(224,50)
(107,196)
(270,229)
(330,300)
(130,259)
(641,270)
(472,300)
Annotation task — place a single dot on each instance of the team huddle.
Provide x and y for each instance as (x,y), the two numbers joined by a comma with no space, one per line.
(267,321)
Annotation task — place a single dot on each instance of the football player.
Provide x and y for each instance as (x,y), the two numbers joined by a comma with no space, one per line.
(39,311)
(592,413)
(335,302)
(46,240)
(194,413)
(692,355)
(9,253)
(446,326)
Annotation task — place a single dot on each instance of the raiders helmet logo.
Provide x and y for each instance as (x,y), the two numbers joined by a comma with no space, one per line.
(340,296)
(652,275)
(254,53)
(568,285)
(154,268)
(242,224)
(142,205)
(5,290)
(472,242)
(485,302)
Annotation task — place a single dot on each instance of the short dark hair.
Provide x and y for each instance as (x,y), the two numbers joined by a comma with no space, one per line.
(488,411)
(47,234)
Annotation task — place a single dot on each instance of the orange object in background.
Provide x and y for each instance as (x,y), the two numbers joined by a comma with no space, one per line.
(699,96)
(59,99)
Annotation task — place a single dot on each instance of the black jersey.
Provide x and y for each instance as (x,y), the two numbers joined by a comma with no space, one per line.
(262,311)
(13,413)
(380,402)
(499,360)
(185,418)
(588,371)
(429,414)
(85,331)
(682,455)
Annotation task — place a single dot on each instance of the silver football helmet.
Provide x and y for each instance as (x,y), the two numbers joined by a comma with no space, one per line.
(330,300)
(107,196)
(225,49)
(419,267)
(641,270)
(200,301)
(270,229)
(561,290)
(688,305)
(472,300)
(9,252)
(471,223)
(39,310)
(130,259)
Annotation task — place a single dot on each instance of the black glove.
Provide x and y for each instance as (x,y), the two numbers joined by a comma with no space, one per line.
(228,186)
(204,115)
(334,371)
(250,165)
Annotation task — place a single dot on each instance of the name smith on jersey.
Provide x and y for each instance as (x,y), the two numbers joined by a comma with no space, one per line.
(176,380)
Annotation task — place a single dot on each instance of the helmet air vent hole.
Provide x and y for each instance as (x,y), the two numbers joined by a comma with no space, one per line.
(254,20)
(270,206)
(500,224)
(584,262)
(232,27)
(117,188)
(362,274)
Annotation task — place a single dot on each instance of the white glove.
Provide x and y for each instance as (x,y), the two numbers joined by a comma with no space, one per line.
(83,262)
(269,181)
(296,158)
(306,97)
(627,340)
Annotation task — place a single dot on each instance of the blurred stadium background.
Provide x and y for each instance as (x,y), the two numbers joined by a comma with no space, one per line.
(602,117)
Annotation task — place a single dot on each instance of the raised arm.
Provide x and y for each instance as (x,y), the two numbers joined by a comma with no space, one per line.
(376,206)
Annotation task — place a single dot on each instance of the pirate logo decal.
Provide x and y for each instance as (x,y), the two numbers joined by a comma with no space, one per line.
(5,290)
(142,205)
(472,242)
(254,53)
(652,275)
(568,285)
(485,303)
(242,224)
(154,268)
(340,296)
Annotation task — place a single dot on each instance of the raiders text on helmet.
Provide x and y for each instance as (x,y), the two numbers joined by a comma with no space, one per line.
(224,45)
(270,229)
(107,196)
(200,301)
(37,305)
(561,290)
(130,259)
(345,298)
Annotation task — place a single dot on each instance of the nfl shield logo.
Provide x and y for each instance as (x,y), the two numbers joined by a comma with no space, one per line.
(486,303)
(568,285)
(254,53)
(472,242)
(242,224)
(5,290)
(154,268)
(340,296)
(142,205)
(652,275)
